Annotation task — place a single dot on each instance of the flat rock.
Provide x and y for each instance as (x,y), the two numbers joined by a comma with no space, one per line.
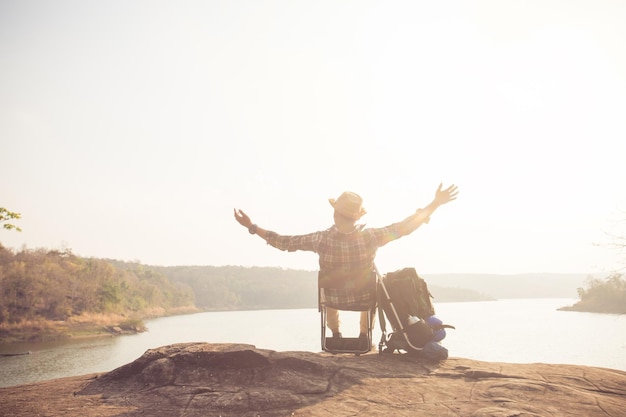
(228,380)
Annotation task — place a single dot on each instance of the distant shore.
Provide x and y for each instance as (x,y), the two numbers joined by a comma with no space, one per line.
(111,325)
(599,308)
(81,327)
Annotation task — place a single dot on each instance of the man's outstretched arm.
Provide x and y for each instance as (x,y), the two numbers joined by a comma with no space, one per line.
(244,220)
(422,215)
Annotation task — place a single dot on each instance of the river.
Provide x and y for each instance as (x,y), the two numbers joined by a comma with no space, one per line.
(513,330)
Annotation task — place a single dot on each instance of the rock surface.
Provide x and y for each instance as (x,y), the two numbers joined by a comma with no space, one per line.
(228,380)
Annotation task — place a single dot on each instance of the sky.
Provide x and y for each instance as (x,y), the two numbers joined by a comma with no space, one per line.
(131,129)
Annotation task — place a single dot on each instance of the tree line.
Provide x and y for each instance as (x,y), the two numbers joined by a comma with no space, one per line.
(56,285)
(606,295)
(40,284)
(243,288)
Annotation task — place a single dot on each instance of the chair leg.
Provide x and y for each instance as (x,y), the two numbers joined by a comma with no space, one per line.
(323,318)
(367,336)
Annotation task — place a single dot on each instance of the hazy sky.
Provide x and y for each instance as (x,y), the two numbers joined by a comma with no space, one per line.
(131,129)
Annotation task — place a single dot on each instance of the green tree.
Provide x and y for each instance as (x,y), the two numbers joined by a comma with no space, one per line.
(51,285)
(6,216)
(603,295)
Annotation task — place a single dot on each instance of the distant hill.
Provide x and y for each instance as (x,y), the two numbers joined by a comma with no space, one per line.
(246,288)
(451,295)
(239,288)
(514,285)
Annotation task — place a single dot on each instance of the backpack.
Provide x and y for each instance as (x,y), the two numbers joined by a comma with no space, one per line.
(404,298)
(410,295)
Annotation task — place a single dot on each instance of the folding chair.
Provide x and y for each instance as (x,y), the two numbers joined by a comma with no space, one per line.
(354,292)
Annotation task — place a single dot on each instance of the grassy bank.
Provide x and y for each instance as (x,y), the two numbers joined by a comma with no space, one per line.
(85,325)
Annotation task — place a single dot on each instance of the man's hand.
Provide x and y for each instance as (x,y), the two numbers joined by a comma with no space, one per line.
(243,219)
(447,195)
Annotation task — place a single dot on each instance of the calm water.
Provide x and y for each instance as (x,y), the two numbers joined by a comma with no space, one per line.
(518,331)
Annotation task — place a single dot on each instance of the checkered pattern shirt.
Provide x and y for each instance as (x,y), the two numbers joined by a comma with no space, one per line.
(345,257)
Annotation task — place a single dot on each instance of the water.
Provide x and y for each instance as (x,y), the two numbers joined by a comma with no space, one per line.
(515,331)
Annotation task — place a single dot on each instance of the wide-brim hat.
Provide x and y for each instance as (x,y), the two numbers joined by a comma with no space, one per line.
(348,204)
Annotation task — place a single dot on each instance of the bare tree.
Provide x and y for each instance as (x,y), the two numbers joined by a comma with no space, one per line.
(618,241)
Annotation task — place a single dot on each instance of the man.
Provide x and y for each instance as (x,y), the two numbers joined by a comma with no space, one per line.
(347,247)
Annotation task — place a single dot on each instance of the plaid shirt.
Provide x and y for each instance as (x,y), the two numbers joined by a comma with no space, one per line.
(343,255)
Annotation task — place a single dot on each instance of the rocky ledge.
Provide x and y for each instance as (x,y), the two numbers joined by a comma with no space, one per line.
(200,379)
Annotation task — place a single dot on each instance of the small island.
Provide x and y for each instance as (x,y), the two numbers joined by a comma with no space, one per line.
(602,296)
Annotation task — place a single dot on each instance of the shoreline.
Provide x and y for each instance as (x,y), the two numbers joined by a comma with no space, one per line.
(16,337)
(112,325)
(81,327)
